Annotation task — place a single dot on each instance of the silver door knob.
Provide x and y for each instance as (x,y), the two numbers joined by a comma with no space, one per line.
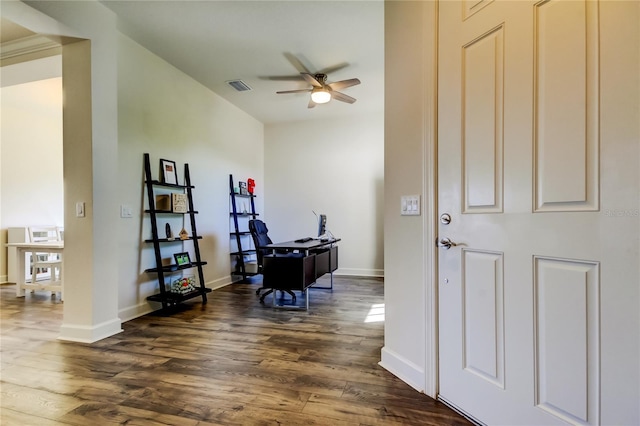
(445,243)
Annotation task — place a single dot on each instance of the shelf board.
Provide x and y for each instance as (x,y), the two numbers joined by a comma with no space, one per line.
(170,212)
(170,185)
(243,252)
(241,233)
(177,297)
(244,214)
(166,240)
(243,195)
(173,268)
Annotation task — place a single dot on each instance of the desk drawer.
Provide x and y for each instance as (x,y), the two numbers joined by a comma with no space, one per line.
(326,261)
(288,272)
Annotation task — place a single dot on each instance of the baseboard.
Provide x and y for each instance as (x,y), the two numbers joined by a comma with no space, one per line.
(144,308)
(356,272)
(136,311)
(87,334)
(4,279)
(219,283)
(403,369)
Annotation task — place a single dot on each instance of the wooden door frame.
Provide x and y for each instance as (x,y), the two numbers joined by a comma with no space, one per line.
(430,196)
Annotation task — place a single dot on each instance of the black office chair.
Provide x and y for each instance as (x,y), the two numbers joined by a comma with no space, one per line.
(260,235)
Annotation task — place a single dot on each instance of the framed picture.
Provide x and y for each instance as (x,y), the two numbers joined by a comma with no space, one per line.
(182,259)
(169,172)
(243,188)
(179,203)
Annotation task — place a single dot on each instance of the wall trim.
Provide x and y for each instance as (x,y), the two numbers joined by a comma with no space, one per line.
(90,334)
(403,369)
(219,283)
(135,311)
(431,219)
(357,272)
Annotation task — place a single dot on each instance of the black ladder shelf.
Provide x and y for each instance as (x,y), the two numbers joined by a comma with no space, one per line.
(166,297)
(240,233)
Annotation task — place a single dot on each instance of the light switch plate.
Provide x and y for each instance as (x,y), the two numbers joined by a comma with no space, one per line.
(410,205)
(125,211)
(80,209)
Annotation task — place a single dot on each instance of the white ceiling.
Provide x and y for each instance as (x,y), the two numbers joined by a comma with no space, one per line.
(217,41)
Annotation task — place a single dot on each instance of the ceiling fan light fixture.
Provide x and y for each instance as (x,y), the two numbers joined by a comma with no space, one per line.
(320,95)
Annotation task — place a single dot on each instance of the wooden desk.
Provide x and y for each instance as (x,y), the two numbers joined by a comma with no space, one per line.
(33,248)
(303,247)
(316,258)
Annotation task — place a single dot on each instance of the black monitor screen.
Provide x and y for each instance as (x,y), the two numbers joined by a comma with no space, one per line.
(322,225)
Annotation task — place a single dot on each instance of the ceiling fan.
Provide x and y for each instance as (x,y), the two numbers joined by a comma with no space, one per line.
(321,91)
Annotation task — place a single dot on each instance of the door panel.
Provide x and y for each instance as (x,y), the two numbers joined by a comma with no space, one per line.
(567,356)
(483,307)
(566,106)
(482,74)
(532,136)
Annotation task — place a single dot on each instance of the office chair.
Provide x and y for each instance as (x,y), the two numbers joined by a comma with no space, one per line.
(260,235)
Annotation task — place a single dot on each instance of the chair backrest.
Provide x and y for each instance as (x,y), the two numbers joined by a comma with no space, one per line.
(44,233)
(259,233)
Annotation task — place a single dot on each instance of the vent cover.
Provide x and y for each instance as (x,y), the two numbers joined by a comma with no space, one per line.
(239,85)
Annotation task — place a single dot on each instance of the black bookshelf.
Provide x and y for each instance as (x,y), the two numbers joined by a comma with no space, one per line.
(166,297)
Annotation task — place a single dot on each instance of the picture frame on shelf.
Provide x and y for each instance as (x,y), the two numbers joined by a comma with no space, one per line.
(182,259)
(169,172)
(243,188)
(179,203)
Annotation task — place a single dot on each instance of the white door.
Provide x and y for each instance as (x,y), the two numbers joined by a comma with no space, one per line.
(538,135)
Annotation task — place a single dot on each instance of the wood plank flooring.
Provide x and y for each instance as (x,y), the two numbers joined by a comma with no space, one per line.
(232,361)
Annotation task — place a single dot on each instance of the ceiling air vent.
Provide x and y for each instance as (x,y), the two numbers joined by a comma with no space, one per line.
(239,85)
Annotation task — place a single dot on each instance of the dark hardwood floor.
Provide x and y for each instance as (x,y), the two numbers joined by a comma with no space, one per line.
(232,361)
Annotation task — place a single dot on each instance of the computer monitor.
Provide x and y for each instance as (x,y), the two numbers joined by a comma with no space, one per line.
(322,225)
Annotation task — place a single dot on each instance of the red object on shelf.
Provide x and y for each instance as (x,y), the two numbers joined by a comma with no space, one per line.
(250,185)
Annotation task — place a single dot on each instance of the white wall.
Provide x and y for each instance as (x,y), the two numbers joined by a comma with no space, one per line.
(164,112)
(31,190)
(410,302)
(336,168)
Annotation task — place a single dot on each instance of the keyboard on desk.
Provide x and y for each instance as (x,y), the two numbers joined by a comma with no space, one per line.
(303,240)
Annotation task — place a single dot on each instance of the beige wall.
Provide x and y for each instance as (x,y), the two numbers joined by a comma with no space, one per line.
(410,29)
(334,168)
(164,112)
(126,102)
(31,190)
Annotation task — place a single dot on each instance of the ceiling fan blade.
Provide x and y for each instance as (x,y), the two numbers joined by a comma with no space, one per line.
(311,103)
(282,78)
(311,79)
(342,97)
(339,85)
(297,63)
(334,68)
(293,91)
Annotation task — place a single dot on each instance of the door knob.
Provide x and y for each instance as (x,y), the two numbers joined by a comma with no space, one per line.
(445,243)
